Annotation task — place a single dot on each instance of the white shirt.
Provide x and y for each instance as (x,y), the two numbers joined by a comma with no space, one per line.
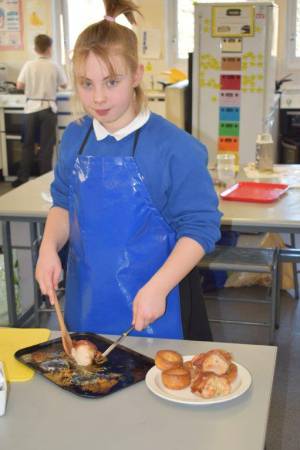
(137,122)
(41,77)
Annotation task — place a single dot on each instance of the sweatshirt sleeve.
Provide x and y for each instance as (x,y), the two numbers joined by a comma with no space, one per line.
(192,206)
(63,169)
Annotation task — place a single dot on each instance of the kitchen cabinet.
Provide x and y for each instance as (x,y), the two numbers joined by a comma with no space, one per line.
(11,119)
(11,123)
(156,102)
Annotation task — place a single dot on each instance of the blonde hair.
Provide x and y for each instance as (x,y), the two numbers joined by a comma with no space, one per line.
(107,38)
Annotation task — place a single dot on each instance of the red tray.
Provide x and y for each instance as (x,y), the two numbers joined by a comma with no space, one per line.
(249,191)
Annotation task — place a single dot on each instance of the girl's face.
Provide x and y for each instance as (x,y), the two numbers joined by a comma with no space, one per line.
(110,100)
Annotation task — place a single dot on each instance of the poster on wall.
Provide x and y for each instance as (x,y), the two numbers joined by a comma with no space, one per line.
(36,14)
(11,25)
(150,43)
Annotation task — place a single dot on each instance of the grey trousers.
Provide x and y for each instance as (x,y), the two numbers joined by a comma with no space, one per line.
(40,124)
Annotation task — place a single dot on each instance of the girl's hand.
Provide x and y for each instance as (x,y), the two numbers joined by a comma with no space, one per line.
(48,270)
(149,304)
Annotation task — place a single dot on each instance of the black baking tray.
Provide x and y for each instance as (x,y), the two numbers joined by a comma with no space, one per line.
(124,367)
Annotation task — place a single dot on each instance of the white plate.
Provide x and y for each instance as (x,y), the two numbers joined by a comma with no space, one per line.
(186,396)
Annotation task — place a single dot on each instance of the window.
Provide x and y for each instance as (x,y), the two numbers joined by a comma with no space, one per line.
(78,17)
(71,17)
(293,33)
(185,28)
(180,34)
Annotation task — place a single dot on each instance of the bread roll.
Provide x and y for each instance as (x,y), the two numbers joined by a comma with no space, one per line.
(168,359)
(178,378)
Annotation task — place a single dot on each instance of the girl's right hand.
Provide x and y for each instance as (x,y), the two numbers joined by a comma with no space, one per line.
(48,270)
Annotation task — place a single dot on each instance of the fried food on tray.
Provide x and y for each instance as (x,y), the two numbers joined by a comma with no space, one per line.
(101,385)
(63,377)
(39,356)
(85,353)
(209,374)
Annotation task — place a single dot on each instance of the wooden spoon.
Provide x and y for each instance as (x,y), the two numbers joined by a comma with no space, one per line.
(65,337)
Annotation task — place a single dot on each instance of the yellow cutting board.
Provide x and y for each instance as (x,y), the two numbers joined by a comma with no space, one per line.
(13,339)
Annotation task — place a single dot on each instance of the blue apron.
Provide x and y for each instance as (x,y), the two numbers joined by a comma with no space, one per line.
(118,240)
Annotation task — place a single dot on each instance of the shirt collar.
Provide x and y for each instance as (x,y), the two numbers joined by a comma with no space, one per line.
(101,133)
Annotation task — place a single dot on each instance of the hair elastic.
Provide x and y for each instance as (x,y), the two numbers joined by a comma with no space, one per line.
(109,18)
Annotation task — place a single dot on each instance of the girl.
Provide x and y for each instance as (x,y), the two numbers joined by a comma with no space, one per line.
(133,197)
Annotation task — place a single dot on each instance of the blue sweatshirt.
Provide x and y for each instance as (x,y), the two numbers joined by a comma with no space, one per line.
(173,165)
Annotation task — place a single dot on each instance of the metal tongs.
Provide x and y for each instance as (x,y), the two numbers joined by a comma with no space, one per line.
(117,342)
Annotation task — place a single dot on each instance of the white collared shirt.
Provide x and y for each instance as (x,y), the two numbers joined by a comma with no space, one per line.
(101,133)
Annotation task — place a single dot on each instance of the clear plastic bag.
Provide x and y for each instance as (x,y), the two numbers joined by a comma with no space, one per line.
(239,279)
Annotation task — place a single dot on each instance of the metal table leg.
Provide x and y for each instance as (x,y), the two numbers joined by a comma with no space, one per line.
(9,274)
(34,256)
(295,271)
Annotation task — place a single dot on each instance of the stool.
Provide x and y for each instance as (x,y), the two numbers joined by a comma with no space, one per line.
(241,259)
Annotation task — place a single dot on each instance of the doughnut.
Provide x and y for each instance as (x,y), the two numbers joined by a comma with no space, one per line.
(168,359)
(176,378)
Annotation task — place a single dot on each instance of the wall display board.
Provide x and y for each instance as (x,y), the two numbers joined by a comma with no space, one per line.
(234,76)
(11,25)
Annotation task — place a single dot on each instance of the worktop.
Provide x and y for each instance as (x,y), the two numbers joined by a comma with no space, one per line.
(41,416)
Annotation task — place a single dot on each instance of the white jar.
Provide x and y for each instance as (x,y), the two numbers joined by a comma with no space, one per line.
(264,152)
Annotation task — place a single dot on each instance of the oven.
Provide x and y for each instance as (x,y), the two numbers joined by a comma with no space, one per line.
(11,128)
(289,138)
(290,122)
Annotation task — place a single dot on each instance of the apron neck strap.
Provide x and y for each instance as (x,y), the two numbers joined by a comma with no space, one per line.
(136,138)
(85,139)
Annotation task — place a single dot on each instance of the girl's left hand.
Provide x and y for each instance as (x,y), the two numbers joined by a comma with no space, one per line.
(149,304)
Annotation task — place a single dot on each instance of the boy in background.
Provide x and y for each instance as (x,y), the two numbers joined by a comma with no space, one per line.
(40,80)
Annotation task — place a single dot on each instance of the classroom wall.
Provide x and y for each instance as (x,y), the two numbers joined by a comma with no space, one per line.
(153,19)
(154,11)
(37,19)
